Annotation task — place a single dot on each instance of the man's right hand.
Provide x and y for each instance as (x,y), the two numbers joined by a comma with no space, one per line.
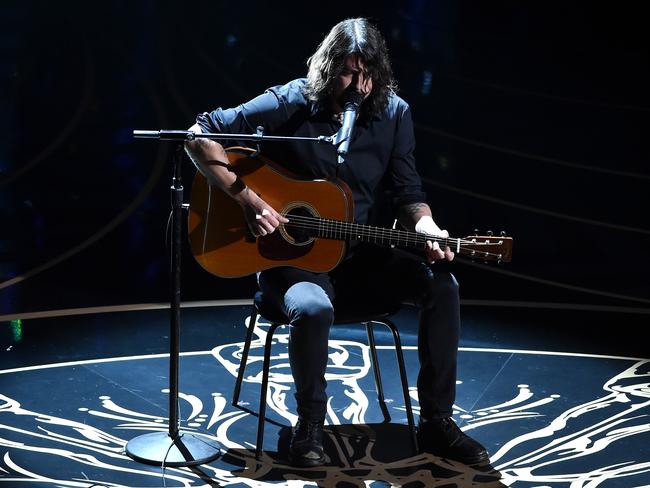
(262,219)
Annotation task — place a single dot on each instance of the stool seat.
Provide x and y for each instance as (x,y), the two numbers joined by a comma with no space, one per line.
(357,313)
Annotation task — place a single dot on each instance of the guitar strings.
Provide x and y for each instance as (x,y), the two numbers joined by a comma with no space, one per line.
(467,247)
(349,229)
(328,228)
(340,227)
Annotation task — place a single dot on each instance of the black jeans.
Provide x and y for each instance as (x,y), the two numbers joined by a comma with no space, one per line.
(372,277)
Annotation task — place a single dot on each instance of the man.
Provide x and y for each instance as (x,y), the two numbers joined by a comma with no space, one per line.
(352,58)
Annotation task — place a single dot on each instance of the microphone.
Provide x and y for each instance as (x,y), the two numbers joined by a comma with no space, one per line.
(353,100)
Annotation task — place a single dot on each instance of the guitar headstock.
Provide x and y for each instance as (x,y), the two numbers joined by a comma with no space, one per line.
(488,247)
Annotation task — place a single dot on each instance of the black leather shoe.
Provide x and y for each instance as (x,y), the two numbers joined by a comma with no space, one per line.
(306,447)
(443,438)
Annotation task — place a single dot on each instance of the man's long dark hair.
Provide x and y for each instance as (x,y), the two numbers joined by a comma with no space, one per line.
(351,36)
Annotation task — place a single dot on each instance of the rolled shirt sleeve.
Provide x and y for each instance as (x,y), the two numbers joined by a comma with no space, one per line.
(266,110)
(403,176)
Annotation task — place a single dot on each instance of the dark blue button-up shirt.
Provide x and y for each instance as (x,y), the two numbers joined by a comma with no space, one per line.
(380,155)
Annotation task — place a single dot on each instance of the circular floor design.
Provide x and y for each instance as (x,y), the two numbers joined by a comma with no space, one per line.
(547,419)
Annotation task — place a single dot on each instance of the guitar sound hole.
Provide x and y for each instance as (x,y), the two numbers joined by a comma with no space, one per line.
(300,229)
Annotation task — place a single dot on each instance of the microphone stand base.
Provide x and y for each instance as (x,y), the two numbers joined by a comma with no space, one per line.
(187,449)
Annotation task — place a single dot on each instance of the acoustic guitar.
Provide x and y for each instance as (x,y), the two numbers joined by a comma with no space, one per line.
(320,214)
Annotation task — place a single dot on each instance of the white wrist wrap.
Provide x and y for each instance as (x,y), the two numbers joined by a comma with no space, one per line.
(426,225)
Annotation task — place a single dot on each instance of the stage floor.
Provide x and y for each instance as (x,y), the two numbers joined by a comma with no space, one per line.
(555,406)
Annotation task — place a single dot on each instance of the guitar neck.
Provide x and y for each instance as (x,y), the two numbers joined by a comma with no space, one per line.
(333,229)
(349,231)
(489,248)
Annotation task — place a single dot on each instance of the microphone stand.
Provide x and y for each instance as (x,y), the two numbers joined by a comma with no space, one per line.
(175,448)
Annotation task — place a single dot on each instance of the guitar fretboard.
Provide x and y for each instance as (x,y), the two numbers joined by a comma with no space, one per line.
(333,229)
(349,231)
(487,248)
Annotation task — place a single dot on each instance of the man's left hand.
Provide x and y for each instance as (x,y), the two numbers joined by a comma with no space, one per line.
(433,251)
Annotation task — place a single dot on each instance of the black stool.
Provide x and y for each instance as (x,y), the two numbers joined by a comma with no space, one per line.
(342,316)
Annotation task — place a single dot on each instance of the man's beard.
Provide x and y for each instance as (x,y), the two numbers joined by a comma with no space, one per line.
(344,96)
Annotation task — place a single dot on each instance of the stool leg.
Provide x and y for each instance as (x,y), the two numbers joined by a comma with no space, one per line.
(405,389)
(244,357)
(263,388)
(375,367)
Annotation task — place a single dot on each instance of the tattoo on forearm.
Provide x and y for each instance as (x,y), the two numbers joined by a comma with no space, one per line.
(202,141)
(413,209)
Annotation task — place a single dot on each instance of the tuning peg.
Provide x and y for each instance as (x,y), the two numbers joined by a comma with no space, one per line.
(503,233)
(475,232)
(490,233)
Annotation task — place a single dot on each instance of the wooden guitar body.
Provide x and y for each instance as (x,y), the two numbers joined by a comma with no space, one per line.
(219,236)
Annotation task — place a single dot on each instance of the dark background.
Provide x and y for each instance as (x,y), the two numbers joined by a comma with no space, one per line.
(529,118)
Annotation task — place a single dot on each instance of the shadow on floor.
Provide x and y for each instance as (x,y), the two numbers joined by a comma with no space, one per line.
(359,453)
